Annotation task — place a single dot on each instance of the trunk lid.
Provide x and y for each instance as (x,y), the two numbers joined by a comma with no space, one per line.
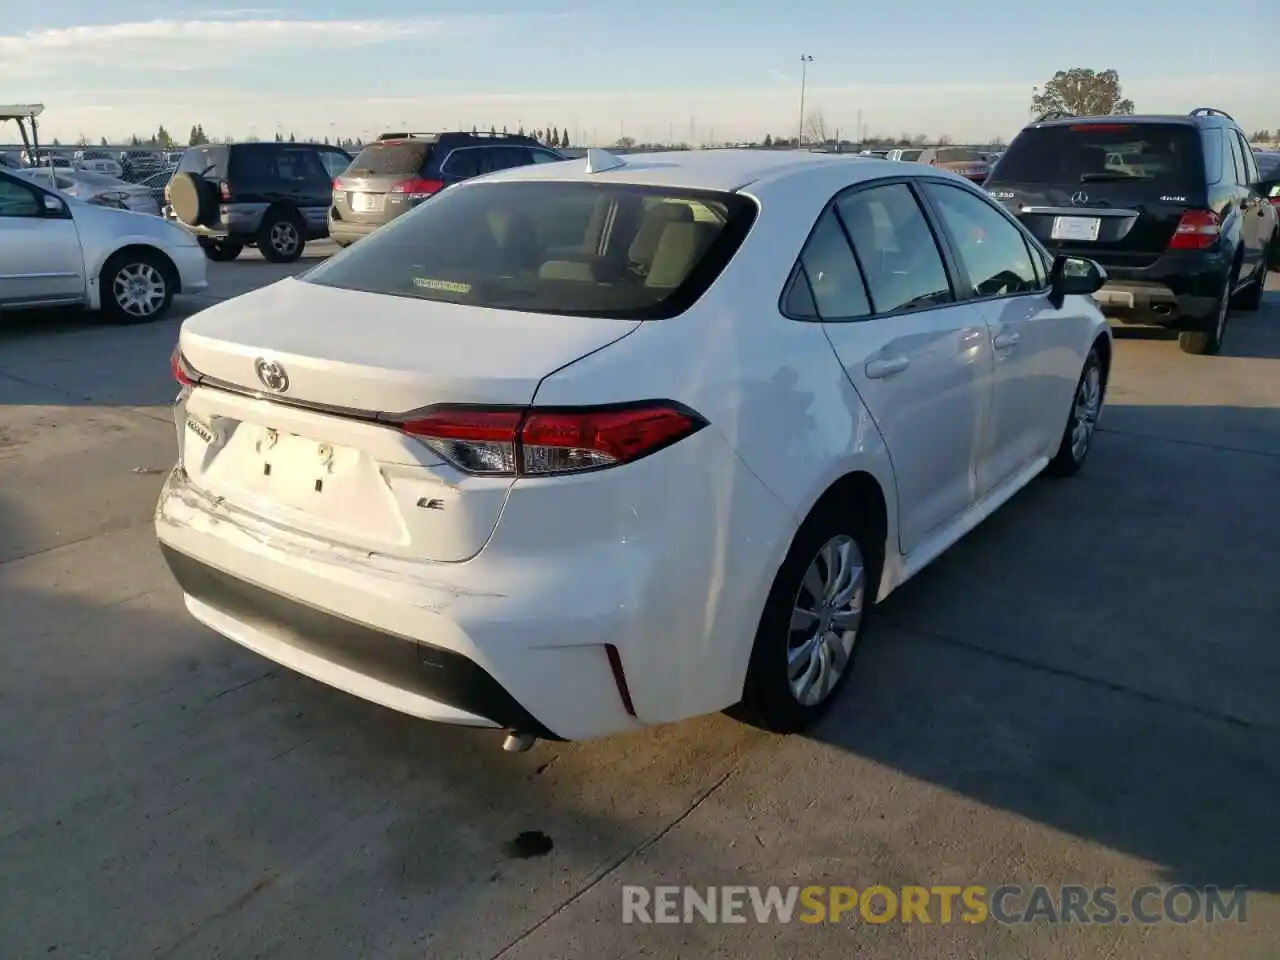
(1113,224)
(320,459)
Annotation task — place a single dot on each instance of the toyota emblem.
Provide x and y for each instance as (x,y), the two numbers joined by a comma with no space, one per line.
(1079,198)
(272,375)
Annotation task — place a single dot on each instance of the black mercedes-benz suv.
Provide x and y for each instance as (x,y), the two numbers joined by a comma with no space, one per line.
(1169,205)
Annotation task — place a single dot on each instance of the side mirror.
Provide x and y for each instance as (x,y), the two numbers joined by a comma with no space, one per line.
(53,207)
(1074,276)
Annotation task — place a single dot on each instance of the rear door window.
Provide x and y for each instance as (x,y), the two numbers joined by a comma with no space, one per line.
(896,248)
(1166,155)
(335,162)
(1250,164)
(464,162)
(397,158)
(550,247)
(1237,161)
(828,284)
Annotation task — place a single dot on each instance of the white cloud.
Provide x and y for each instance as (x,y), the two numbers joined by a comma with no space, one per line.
(222,36)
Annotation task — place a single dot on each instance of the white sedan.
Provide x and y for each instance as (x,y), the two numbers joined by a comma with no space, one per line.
(578,448)
(57,250)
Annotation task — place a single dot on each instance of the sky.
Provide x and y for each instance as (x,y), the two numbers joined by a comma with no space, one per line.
(655,70)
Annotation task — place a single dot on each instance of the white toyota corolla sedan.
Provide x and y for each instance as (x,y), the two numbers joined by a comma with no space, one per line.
(582,447)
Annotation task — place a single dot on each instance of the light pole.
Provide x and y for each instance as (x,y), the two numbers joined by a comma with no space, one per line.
(805,60)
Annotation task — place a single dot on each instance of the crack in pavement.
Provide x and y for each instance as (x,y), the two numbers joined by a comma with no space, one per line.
(1181,706)
(613,867)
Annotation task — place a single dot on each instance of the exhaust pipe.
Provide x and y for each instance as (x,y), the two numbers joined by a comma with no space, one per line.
(518,742)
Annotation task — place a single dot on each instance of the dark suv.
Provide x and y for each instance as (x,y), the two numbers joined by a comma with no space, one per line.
(1169,205)
(398,171)
(269,195)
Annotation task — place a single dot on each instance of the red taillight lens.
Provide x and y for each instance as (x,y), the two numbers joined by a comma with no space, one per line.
(542,443)
(224,190)
(1197,230)
(337,183)
(182,371)
(1274,201)
(417,187)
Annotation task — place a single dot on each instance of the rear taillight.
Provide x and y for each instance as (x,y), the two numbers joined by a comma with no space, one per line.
(1274,201)
(546,442)
(182,371)
(337,184)
(224,190)
(417,187)
(1197,230)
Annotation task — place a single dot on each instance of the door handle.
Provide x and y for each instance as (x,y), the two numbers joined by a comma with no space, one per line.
(879,369)
(1006,340)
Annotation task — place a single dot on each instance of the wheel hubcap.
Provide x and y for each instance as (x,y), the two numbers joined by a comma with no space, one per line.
(825,619)
(139,289)
(284,237)
(1085,419)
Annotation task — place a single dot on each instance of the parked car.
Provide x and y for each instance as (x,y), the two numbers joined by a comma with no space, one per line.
(1269,176)
(1169,205)
(398,171)
(97,161)
(156,183)
(959,160)
(270,195)
(137,165)
(59,251)
(98,189)
(910,155)
(573,449)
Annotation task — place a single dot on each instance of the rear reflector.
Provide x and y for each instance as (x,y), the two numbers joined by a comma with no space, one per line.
(417,187)
(182,371)
(1197,230)
(548,442)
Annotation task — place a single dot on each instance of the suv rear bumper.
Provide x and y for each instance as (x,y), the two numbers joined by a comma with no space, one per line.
(1180,290)
(346,231)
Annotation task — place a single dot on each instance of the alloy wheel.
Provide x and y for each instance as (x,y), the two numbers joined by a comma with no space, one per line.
(139,289)
(825,619)
(284,237)
(1085,415)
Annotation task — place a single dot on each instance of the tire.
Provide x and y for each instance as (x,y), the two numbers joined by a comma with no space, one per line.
(137,286)
(280,237)
(194,200)
(221,251)
(1082,421)
(773,695)
(1209,342)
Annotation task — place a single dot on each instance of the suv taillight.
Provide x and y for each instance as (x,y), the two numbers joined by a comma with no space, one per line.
(182,371)
(224,190)
(1197,230)
(337,184)
(417,188)
(546,442)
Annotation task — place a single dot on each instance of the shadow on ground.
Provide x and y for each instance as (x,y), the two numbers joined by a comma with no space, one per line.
(1133,601)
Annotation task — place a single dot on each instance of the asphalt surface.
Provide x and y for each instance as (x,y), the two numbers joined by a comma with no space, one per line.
(1082,691)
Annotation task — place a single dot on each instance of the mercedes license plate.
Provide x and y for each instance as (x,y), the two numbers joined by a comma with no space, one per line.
(1076,228)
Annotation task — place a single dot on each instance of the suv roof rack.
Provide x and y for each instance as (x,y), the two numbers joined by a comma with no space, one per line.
(1055,115)
(1211,112)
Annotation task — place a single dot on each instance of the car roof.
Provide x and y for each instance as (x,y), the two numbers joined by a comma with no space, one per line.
(721,170)
(1129,119)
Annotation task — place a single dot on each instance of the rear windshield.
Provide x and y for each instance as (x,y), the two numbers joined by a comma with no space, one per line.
(1163,154)
(396,158)
(582,249)
(959,156)
(1268,165)
(911,155)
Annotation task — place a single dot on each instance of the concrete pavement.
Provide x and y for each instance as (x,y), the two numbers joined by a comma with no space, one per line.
(1082,691)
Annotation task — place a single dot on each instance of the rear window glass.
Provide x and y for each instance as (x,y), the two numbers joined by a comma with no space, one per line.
(1268,165)
(1164,154)
(579,249)
(911,155)
(959,156)
(402,158)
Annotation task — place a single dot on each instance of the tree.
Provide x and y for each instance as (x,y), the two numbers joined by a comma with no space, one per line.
(768,140)
(945,140)
(625,142)
(815,127)
(1081,93)
(57,142)
(504,130)
(82,141)
(1261,136)
(103,142)
(474,131)
(292,138)
(521,131)
(564,137)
